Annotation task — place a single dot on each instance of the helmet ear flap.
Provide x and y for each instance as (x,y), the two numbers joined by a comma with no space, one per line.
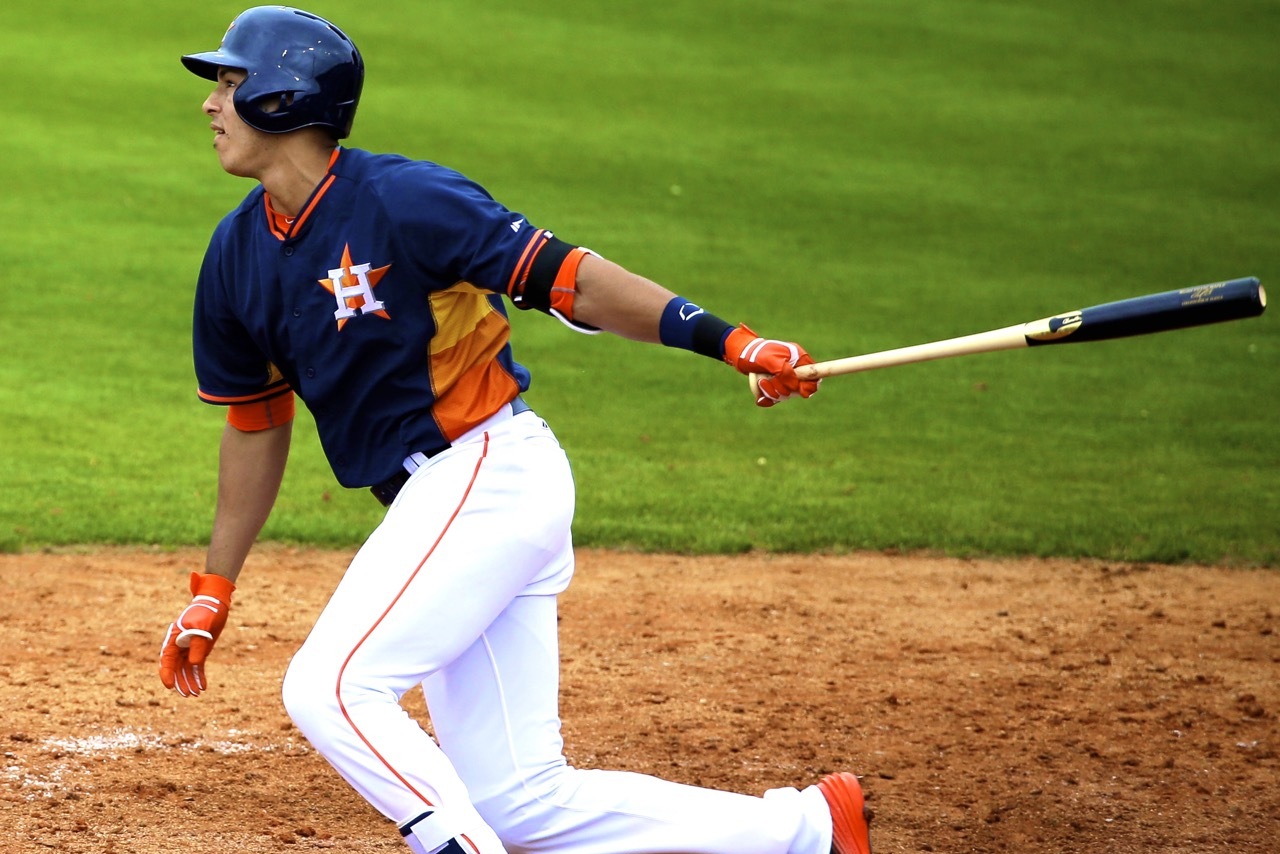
(273,103)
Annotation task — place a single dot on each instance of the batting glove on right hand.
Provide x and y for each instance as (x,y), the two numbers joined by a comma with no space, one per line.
(190,637)
(774,361)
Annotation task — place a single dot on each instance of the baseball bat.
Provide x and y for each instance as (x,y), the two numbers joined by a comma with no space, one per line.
(1179,309)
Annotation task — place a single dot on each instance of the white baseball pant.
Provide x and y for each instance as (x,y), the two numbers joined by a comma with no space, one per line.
(456,591)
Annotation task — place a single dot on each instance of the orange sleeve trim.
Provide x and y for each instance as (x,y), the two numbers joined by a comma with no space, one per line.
(262,414)
(515,287)
(219,400)
(565,287)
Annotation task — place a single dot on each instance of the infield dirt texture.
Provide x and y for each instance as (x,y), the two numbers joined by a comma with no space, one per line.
(1020,706)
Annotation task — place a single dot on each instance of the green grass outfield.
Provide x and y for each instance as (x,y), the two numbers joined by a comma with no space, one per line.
(854,175)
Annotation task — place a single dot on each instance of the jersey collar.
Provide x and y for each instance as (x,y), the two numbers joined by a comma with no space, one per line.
(286,227)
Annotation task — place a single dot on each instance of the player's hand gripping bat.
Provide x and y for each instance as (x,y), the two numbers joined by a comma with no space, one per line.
(1232,300)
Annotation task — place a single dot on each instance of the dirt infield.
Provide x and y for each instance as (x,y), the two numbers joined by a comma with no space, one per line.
(1045,706)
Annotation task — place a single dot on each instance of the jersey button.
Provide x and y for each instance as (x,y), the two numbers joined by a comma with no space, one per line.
(311,373)
(297,312)
(288,250)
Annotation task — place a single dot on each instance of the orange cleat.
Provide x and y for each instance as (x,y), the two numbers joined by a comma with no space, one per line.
(850,817)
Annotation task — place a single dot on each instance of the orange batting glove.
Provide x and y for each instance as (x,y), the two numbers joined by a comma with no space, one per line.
(190,638)
(775,361)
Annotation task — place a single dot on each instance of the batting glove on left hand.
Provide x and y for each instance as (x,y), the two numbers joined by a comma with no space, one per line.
(190,638)
(775,362)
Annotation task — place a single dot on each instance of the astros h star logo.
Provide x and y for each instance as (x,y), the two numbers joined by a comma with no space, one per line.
(352,286)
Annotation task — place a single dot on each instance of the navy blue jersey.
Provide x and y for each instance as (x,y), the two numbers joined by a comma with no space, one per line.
(380,306)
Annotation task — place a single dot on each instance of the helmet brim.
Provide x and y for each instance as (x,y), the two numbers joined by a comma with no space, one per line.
(206,64)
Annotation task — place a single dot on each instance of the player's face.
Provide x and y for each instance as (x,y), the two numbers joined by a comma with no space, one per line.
(242,150)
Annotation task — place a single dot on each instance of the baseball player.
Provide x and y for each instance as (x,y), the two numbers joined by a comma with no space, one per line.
(372,287)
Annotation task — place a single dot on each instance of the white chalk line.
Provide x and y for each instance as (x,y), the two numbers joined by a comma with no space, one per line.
(116,744)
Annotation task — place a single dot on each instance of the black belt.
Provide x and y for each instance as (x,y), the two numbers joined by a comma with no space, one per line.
(387,491)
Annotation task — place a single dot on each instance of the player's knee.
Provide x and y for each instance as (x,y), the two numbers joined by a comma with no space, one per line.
(320,696)
(297,692)
(308,694)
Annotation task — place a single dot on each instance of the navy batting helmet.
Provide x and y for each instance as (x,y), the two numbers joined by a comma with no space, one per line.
(302,71)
